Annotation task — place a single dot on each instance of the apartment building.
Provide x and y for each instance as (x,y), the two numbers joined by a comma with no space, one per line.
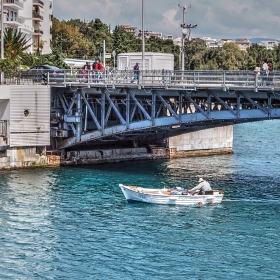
(33,19)
(210,42)
(269,44)
(243,44)
(130,29)
(149,34)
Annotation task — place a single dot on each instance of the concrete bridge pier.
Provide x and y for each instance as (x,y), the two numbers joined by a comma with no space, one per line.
(205,142)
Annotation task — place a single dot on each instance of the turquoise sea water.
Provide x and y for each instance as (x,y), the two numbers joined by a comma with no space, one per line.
(74,223)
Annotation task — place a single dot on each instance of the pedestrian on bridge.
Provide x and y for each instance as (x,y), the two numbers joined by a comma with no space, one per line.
(264,72)
(99,69)
(87,69)
(270,74)
(257,71)
(136,72)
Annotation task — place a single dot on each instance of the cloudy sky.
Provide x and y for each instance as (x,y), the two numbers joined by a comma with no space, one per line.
(215,18)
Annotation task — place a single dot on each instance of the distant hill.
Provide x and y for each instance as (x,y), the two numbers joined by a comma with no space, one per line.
(258,40)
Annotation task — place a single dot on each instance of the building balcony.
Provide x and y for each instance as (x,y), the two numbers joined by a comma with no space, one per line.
(16,4)
(37,17)
(26,29)
(38,32)
(12,22)
(38,3)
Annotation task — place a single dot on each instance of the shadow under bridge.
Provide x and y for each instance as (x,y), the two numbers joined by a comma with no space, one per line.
(99,115)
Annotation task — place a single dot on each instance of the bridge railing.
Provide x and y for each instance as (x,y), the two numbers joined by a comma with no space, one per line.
(211,78)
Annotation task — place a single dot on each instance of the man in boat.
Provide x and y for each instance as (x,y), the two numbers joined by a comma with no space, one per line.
(201,188)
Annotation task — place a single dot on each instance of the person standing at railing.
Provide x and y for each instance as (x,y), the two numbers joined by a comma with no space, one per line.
(87,69)
(95,74)
(264,72)
(99,69)
(257,71)
(136,72)
(270,73)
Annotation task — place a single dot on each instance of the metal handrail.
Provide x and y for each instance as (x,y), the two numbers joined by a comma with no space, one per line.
(167,78)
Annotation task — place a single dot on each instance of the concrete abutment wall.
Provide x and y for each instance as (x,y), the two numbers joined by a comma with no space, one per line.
(206,142)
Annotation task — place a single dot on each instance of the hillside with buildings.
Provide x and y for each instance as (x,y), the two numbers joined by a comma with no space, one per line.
(243,43)
(51,41)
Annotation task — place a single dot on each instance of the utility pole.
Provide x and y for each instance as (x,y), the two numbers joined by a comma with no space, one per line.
(185,31)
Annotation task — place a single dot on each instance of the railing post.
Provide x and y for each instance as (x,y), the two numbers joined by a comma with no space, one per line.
(224,79)
(256,82)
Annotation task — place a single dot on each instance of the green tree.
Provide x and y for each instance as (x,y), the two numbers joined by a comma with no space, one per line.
(194,52)
(124,42)
(230,57)
(69,41)
(15,44)
(257,53)
(276,52)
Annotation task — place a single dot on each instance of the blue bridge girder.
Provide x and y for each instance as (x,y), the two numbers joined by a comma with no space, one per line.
(102,112)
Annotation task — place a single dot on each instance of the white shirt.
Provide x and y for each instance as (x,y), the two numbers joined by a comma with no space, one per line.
(204,186)
(265,67)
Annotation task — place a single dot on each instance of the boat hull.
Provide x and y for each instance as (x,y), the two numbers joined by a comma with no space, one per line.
(157,196)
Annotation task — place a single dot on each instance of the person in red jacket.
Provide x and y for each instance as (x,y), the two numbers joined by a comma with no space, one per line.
(99,69)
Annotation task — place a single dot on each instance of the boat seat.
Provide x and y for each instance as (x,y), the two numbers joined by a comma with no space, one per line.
(208,192)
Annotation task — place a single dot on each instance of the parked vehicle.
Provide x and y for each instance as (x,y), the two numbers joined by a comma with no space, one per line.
(43,74)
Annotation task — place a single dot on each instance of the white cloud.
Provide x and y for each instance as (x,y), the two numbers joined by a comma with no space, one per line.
(169,21)
(217,18)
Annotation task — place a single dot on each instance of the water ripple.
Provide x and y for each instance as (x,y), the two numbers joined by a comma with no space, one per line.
(74,223)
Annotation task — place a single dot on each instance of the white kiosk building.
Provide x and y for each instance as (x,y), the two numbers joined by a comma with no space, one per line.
(153,61)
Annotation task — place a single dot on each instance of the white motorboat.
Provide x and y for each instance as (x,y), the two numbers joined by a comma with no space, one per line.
(167,196)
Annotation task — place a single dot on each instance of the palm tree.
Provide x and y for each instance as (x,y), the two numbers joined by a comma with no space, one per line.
(15,44)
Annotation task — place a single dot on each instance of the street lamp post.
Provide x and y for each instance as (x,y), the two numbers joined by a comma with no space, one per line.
(183,8)
(186,28)
(143,37)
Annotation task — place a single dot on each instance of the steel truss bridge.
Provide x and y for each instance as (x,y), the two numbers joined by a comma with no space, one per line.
(114,111)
